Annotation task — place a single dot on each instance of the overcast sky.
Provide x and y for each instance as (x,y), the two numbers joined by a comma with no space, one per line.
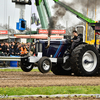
(7,8)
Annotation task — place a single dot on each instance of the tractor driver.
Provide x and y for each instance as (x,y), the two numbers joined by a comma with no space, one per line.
(75,40)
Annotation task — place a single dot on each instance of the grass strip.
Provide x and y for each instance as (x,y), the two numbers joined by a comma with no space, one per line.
(16,70)
(50,90)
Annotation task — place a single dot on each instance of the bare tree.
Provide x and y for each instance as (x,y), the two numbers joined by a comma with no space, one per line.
(11,30)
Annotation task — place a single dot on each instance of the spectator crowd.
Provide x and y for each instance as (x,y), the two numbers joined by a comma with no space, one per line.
(15,49)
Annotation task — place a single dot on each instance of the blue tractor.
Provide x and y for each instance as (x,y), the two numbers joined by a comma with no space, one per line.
(53,54)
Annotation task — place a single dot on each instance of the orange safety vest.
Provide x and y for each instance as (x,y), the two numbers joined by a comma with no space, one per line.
(23,51)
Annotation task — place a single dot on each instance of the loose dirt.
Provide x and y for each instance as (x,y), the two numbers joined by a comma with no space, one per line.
(36,79)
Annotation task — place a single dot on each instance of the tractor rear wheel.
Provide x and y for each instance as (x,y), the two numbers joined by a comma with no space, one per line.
(85,60)
(61,69)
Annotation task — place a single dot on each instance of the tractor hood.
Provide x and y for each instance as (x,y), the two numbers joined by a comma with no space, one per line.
(56,48)
(55,42)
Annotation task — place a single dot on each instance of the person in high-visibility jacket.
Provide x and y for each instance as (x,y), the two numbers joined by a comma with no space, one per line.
(24,51)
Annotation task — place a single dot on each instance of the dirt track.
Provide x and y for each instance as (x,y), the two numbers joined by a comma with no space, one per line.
(35,79)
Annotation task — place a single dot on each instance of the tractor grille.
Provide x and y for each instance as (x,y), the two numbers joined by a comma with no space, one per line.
(38,47)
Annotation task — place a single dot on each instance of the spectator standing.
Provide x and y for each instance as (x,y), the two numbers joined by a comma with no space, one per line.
(17,52)
(8,47)
(24,51)
(32,49)
(4,49)
(11,51)
(1,52)
(15,47)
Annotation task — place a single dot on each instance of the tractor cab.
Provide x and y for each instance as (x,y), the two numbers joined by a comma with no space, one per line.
(81,31)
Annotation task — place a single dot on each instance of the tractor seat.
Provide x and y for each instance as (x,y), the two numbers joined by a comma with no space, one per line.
(81,37)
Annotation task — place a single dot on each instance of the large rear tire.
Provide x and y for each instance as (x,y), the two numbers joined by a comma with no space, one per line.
(61,69)
(85,60)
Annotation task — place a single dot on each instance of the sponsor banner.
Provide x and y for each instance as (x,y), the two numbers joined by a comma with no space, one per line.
(41,31)
(3,32)
(58,32)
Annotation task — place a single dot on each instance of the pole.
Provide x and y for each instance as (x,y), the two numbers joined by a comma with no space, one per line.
(30,34)
(8,26)
(66,26)
(95,36)
(86,22)
(30,43)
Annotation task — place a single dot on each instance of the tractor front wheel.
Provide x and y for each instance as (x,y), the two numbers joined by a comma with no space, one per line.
(26,68)
(44,65)
(25,65)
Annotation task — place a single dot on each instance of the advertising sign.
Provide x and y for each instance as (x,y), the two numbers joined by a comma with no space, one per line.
(42,31)
(3,32)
